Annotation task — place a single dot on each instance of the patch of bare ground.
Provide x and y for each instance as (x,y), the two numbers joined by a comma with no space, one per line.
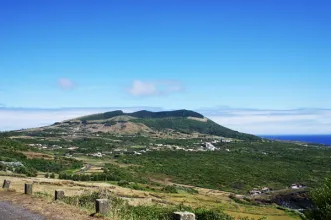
(49,209)
(118,128)
(198,119)
(33,155)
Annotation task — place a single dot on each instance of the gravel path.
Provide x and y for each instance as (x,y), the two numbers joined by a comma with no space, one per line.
(12,212)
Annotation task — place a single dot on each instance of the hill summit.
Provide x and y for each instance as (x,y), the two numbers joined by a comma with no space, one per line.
(165,124)
(144,114)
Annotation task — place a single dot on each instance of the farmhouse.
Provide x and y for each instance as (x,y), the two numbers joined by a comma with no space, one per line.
(296,186)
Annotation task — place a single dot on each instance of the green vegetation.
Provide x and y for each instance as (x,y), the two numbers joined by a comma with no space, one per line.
(175,120)
(111,173)
(10,152)
(102,116)
(188,126)
(245,167)
(178,189)
(240,170)
(322,200)
(142,114)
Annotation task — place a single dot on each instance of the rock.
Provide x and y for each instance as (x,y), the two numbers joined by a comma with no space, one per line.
(6,184)
(183,216)
(102,206)
(59,194)
(28,188)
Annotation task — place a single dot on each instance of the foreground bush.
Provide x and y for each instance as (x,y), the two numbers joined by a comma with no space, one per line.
(322,200)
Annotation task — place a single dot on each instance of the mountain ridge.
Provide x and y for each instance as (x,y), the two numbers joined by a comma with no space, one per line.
(143,114)
(171,124)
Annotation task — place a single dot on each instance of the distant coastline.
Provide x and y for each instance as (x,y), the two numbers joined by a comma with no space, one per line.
(315,139)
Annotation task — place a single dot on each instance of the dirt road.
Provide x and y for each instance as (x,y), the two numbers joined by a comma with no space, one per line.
(9,211)
(19,206)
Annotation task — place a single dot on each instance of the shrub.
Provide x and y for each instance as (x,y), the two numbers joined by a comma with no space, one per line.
(170,189)
(322,200)
(123,183)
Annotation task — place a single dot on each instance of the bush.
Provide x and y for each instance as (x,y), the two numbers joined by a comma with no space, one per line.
(170,189)
(202,214)
(123,183)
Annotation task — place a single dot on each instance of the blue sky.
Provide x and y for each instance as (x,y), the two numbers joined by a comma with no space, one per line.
(213,56)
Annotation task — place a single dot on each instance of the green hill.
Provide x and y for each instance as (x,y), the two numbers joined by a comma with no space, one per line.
(143,114)
(183,121)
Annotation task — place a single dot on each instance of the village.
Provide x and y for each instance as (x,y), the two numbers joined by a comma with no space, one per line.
(138,150)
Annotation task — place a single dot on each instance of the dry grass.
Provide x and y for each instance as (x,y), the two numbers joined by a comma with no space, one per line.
(205,198)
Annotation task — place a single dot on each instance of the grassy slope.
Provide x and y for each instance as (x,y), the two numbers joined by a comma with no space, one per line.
(186,125)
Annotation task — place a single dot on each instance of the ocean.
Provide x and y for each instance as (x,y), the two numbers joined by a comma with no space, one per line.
(316,139)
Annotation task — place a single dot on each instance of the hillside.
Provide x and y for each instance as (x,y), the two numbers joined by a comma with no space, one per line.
(169,124)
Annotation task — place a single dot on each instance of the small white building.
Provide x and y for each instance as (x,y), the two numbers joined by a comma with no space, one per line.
(210,146)
(296,186)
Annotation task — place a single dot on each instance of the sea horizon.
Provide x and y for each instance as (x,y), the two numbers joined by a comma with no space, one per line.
(308,138)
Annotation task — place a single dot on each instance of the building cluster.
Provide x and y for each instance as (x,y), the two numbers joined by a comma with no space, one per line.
(98,154)
(12,164)
(45,146)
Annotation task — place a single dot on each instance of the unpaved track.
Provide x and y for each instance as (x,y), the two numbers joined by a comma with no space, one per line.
(13,212)
(19,206)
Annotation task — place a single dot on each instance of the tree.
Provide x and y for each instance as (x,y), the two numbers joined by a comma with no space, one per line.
(322,200)
(46,175)
(52,176)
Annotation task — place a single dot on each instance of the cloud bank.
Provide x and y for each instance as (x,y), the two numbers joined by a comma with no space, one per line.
(257,121)
(254,121)
(154,88)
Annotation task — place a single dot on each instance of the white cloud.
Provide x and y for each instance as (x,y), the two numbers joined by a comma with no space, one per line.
(140,88)
(154,88)
(65,83)
(297,121)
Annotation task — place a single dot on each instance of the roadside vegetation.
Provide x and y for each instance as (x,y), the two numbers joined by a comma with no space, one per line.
(120,209)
